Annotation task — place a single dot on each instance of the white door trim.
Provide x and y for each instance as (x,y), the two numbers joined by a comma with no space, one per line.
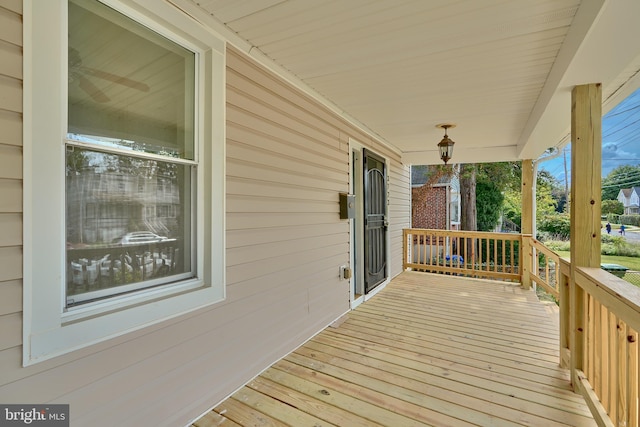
(356,231)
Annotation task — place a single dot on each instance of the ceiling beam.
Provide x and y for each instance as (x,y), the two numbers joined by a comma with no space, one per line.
(462,155)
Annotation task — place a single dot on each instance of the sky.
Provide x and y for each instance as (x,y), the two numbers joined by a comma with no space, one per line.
(620,141)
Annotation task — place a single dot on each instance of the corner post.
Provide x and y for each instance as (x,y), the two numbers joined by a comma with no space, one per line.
(528,195)
(586,181)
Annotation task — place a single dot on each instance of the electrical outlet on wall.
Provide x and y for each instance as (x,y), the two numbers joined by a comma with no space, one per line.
(345,272)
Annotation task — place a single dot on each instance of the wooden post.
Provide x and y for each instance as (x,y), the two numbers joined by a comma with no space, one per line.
(565,296)
(405,250)
(528,218)
(586,176)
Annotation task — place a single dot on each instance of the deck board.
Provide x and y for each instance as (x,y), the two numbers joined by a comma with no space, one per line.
(428,350)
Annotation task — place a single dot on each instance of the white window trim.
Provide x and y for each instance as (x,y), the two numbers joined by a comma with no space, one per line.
(47,330)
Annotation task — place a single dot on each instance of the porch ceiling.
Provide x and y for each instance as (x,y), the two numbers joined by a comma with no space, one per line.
(501,70)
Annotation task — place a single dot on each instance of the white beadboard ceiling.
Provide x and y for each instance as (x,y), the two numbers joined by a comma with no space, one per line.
(501,70)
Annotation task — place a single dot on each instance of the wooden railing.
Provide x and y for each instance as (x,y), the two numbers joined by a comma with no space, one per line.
(599,312)
(474,254)
(600,320)
(545,271)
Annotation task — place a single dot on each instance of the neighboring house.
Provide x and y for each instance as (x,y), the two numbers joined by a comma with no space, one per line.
(630,199)
(434,205)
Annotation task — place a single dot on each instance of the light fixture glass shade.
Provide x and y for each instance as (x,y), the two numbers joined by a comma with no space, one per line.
(446,148)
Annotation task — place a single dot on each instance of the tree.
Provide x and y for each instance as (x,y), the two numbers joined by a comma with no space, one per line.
(546,184)
(625,176)
(489,201)
(548,189)
(468,214)
(503,176)
(612,207)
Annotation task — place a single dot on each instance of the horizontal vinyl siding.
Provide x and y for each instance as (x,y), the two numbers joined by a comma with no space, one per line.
(285,168)
(11,22)
(10,187)
(287,160)
(399,211)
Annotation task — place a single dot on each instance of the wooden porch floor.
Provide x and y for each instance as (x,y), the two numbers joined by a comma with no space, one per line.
(427,350)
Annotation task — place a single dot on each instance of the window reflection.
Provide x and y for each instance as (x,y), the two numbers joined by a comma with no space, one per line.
(126,222)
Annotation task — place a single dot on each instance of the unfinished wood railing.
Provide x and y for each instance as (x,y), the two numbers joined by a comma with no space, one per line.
(600,320)
(599,313)
(546,268)
(474,254)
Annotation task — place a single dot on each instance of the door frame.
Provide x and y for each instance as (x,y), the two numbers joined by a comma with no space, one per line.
(356,226)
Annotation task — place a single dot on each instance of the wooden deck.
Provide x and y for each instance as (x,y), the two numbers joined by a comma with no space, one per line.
(427,350)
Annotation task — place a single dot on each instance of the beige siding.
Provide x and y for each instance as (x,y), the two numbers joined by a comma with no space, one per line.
(11,125)
(11,301)
(287,160)
(10,60)
(399,211)
(12,5)
(10,184)
(11,22)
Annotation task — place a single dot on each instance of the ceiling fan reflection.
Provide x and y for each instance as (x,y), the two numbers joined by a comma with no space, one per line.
(79,73)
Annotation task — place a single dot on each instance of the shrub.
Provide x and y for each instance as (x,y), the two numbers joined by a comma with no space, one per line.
(558,245)
(630,220)
(557,225)
(612,207)
(612,239)
(613,218)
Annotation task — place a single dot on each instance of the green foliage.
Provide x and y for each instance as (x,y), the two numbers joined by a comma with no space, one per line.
(613,218)
(612,207)
(617,245)
(625,176)
(512,206)
(505,175)
(630,220)
(612,245)
(489,200)
(546,203)
(558,245)
(556,224)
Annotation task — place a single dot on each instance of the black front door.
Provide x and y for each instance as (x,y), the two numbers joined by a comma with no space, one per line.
(375,221)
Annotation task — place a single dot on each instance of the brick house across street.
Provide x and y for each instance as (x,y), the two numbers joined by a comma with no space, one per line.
(434,205)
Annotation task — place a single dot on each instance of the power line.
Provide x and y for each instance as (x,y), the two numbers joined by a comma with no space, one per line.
(635,184)
(621,129)
(623,111)
(625,181)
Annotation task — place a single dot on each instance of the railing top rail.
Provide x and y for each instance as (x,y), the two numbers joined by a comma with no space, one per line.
(545,250)
(624,298)
(462,233)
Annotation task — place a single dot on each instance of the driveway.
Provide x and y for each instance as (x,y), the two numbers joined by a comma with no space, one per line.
(632,236)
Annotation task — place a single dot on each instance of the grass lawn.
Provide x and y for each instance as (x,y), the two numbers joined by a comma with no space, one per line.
(632,263)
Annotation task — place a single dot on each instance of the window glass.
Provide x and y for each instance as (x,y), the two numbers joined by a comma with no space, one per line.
(129,87)
(130,156)
(119,238)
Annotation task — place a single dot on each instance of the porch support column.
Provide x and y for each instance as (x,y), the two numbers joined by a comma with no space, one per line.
(527,220)
(586,175)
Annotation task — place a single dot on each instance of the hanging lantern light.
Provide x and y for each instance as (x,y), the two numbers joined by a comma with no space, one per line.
(445,147)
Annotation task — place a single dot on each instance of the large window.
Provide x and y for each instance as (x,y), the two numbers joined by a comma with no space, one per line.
(131,103)
(124,205)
